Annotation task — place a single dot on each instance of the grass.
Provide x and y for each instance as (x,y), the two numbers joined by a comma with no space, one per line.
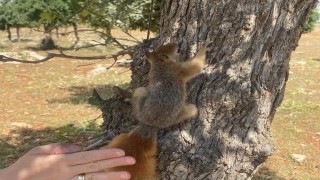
(49,102)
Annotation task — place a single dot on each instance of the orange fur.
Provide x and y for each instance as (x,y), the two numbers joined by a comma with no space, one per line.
(143,149)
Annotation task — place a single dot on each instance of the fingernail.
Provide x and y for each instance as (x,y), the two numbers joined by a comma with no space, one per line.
(125,175)
(120,152)
(131,160)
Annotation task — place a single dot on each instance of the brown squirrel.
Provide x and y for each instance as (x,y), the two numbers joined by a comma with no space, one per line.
(159,105)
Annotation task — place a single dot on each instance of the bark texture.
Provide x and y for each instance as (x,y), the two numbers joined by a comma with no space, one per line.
(238,92)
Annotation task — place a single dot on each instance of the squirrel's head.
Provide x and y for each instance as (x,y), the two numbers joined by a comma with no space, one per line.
(166,54)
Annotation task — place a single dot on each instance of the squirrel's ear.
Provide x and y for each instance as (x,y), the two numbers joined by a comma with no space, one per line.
(170,48)
(163,56)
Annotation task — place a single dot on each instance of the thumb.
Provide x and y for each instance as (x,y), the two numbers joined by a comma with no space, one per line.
(56,148)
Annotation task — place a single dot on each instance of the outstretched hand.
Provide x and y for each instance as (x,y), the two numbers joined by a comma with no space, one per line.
(66,162)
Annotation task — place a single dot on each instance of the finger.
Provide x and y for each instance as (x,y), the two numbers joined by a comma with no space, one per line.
(102,165)
(103,176)
(56,148)
(91,156)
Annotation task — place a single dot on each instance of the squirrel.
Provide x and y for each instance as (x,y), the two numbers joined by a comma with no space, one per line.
(159,105)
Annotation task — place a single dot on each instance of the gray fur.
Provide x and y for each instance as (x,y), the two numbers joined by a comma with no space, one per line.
(162,103)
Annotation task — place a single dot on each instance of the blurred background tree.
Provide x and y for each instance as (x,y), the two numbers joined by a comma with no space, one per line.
(97,14)
(312,20)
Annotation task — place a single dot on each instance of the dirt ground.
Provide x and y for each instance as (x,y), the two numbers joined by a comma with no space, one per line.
(50,102)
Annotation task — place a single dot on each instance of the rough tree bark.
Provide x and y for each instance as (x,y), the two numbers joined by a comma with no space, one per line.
(238,92)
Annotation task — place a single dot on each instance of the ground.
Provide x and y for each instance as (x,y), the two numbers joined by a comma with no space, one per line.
(50,102)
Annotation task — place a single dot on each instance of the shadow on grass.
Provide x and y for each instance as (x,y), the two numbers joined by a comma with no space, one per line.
(83,94)
(21,139)
(265,173)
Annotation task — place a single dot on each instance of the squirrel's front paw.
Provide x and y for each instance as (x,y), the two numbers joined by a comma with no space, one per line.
(141,91)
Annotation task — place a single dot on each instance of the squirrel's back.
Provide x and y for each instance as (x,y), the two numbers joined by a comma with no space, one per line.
(166,96)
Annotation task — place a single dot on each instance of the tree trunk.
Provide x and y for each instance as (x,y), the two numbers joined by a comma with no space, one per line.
(57,33)
(238,92)
(9,34)
(18,34)
(76,34)
(47,43)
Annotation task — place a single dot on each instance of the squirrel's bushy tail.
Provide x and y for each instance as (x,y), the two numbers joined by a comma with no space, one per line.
(141,143)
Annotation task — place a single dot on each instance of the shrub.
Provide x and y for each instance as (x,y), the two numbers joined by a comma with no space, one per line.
(312,20)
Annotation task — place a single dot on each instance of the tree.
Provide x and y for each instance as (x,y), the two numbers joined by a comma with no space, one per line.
(238,92)
(124,14)
(51,15)
(4,25)
(13,14)
(312,20)
(102,14)
(30,13)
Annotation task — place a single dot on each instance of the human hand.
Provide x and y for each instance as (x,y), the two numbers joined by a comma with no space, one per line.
(66,162)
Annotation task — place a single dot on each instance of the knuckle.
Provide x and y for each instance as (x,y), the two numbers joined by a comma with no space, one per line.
(95,166)
(56,159)
(90,177)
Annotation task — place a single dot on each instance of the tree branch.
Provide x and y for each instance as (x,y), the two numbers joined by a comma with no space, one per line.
(99,143)
(130,35)
(115,56)
(102,34)
(68,18)
(4,58)
(88,46)
(5,2)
